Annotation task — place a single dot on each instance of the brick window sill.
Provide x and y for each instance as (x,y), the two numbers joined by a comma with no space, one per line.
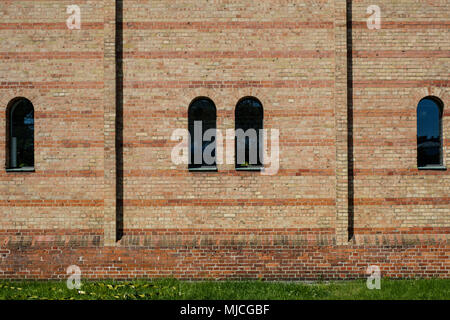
(24,169)
(252,168)
(435,167)
(204,169)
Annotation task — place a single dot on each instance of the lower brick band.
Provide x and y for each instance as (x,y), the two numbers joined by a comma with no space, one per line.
(48,254)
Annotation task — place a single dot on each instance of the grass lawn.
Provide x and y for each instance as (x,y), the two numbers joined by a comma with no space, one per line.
(170,289)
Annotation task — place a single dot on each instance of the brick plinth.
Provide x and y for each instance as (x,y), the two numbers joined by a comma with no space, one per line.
(295,254)
(307,262)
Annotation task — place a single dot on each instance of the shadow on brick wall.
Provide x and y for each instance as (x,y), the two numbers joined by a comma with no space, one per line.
(351,210)
(119,119)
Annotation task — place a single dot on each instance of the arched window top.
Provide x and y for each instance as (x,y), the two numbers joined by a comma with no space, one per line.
(21,104)
(202,108)
(431,103)
(250,107)
(20,135)
(429,133)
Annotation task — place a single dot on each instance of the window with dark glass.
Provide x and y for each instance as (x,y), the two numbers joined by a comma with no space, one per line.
(202,131)
(429,133)
(249,140)
(20,135)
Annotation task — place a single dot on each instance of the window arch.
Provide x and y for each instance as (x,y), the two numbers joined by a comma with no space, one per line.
(20,135)
(429,133)
(202,130)
(249,116)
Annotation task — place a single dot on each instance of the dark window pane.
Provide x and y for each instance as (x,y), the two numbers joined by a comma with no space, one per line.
(248,123)
(21,140)
(201,118)
(429,137)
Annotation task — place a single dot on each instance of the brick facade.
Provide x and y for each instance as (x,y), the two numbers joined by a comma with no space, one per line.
(106,196)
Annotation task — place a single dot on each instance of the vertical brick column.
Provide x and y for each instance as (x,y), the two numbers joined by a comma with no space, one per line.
(341,124)
(109,121)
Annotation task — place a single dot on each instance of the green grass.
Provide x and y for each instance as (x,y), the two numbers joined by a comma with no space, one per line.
(170,289)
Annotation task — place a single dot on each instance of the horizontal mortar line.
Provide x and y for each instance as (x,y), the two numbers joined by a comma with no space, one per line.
(51,55)
(168,143)
(402,201)
(186,173)
(380,83)
(445,24)
(59,231)
(230,84)
(50,26)
(218,231)
(401,54)
(384,96)
(292,142)
(224,231)
(404,230)
(400,142)
(228,202)
(410,112)
(66,143)
(384,141)
(52,84)
(157,114)
(51,203)
(62,1)
(56,173)
(67,115)
(286,54)
(289,142)
(228,54)
(221,25)
(63,7)
(167,231)
(79,120)
(70,143)
(399,172)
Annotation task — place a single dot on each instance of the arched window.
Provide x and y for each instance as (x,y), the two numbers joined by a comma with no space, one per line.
(202,131)
(20,135)
(249,139)
(429,133)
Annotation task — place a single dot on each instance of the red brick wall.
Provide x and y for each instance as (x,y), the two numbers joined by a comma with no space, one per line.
(61,72)
(394,68)
(292,56)
(273,259)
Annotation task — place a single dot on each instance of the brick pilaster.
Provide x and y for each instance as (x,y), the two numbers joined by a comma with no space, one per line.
(109,122)
(341,121)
